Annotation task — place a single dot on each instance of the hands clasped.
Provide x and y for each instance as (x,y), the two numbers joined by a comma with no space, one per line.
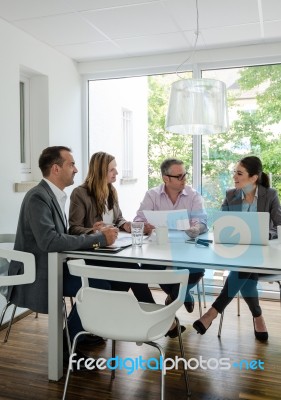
(193,232)
(110,234)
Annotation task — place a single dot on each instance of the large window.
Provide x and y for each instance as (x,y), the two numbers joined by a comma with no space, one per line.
(254,104)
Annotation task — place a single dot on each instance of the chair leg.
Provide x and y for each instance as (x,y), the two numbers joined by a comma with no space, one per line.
(279,283)
(186,378)
(162,354)
(238,304)
(66,325)
(199,299)
(68,368)
(4,312)
(10,324)
(220,325)
(203,291)
(113,356)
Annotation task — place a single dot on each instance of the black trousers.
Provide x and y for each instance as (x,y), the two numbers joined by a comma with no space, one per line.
(244,282)
(195,274)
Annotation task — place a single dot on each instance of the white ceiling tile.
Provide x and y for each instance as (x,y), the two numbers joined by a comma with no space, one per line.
(83,5)
(95,29)
(271,10)
(88,51)
(169,42)
(213,13)
(13,10)
(61,29)
(132,21)
(231,35)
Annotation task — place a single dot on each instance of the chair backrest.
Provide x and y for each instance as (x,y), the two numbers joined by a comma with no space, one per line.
(118,315)
(27,259)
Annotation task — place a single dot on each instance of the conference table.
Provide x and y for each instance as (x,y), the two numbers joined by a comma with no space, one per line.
(176,254)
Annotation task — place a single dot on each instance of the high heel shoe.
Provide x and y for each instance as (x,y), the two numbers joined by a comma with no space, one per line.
(262,336)
(173,333)
(199,327)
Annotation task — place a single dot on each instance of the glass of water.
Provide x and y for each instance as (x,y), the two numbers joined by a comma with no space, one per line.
(137,233)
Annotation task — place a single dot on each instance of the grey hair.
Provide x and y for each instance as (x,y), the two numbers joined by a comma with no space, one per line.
(166,165)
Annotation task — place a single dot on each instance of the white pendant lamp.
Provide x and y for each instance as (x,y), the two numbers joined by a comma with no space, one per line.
(197,107)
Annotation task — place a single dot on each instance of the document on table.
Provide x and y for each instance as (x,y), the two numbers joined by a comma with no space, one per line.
(173,219)
(124,239)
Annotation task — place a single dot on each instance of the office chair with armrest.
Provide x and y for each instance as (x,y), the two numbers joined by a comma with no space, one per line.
(7,242)
(28,276)
(118,315)
(270,278)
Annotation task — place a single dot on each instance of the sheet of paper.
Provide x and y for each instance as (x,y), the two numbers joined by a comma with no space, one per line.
(173,219)
(123,240)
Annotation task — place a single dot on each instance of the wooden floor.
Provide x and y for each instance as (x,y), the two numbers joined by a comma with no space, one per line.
(23,362)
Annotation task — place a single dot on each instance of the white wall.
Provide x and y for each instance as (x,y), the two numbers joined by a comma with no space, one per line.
(64,108)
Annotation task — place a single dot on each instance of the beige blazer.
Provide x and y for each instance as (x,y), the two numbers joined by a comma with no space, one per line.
(83,212)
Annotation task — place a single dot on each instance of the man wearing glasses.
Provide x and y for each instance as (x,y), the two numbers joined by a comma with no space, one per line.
(175,194)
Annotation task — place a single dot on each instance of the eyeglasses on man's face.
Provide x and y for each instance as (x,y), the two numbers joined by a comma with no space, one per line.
(180,177)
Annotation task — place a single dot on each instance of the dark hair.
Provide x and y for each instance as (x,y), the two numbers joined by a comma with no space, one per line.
(166,165)
(253,166)
(51,156)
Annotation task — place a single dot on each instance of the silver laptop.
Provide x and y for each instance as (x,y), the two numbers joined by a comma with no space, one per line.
(238,227)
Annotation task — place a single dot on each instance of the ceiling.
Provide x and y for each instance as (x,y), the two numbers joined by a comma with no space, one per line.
(89,30)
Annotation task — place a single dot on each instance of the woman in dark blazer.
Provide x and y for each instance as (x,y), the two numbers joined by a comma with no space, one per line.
(252,193)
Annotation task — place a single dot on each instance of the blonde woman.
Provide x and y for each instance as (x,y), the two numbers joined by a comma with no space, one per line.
(94,205)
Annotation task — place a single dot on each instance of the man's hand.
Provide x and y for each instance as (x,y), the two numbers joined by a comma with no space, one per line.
(110,234)
(148,228)
(193,231)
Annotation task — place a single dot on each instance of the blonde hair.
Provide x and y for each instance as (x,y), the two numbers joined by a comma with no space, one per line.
(103,192)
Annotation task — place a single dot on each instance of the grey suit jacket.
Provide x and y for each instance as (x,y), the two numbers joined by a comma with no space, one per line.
(268,201)
(41,229)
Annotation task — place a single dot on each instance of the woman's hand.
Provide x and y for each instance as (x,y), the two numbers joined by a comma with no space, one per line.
(126,227)
(98,226)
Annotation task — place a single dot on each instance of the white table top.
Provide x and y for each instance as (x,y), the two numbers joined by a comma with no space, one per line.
(177,253)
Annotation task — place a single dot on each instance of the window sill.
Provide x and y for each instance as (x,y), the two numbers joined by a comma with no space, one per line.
(24,186)
(128,181)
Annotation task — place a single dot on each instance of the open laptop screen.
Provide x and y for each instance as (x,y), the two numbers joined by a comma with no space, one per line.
(238,227)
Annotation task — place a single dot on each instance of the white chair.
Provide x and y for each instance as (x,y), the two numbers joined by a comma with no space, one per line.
(119,316)
(6,242)
(28,276)
(270,278)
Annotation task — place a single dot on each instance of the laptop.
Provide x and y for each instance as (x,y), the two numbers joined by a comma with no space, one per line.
(238,227)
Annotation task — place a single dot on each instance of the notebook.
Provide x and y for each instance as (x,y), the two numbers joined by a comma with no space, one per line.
(238,227)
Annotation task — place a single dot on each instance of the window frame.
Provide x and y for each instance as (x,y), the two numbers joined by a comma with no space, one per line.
(25,139)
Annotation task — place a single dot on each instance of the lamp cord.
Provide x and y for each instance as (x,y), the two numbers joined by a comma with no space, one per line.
(195,43)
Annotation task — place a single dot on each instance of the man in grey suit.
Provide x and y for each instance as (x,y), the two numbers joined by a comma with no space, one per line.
(42,228)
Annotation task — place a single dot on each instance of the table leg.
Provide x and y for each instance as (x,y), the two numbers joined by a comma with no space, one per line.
(55,328)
